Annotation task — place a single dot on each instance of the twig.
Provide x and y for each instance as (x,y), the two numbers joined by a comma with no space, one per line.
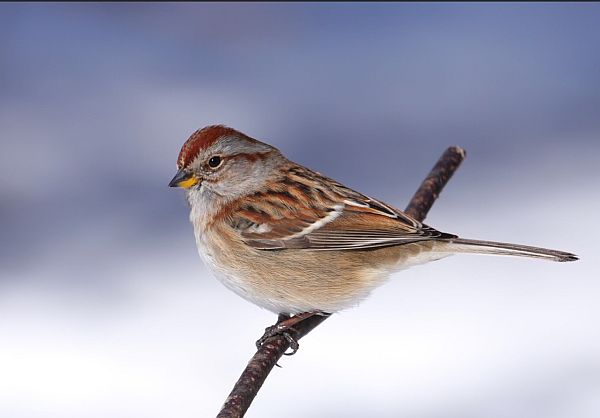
(270,352)
(432,186)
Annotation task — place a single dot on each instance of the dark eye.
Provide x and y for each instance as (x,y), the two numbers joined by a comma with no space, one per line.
(215,161)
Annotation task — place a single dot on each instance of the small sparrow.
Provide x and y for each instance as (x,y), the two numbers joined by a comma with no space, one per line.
(293,241)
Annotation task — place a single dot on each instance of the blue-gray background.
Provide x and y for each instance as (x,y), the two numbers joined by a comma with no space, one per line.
(105,308)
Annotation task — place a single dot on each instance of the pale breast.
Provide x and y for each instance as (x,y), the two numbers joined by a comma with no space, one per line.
(294,281)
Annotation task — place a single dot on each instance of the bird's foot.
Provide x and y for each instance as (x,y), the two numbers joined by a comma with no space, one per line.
(284,327)
(285,332)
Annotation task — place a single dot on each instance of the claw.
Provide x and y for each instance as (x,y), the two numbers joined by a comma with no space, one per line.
(284,327)
(293,344)
(282,330)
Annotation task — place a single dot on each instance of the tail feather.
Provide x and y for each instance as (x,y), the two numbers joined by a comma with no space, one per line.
(502,248)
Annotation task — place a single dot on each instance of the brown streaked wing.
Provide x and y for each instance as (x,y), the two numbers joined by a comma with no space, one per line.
(353,230)
(306,210)
(338,227)
(266,219)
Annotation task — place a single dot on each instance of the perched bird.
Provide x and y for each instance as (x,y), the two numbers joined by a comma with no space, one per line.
(294,241)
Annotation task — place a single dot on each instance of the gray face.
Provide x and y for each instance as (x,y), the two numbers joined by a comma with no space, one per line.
(233,167)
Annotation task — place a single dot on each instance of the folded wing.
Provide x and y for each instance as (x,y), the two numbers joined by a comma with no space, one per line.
(274,221)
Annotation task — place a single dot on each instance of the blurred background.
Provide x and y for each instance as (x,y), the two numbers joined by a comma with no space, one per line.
(105,307)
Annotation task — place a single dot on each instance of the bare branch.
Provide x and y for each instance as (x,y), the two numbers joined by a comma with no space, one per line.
(435,181)
(270,352)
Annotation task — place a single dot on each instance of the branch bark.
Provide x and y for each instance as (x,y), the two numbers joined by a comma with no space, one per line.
(261,364)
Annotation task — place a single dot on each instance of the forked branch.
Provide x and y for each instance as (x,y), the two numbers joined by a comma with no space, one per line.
(270,352)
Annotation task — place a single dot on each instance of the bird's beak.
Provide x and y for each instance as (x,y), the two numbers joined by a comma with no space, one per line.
(184,180)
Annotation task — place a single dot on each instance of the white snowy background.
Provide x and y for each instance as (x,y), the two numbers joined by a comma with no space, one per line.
(105,308)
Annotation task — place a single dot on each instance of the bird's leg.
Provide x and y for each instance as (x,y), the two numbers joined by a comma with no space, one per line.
(283,327)
(282,317)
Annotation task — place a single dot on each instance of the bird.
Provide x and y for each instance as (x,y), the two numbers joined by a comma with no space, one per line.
(296,242)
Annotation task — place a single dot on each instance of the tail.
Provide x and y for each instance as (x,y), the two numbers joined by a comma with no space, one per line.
(460,245)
